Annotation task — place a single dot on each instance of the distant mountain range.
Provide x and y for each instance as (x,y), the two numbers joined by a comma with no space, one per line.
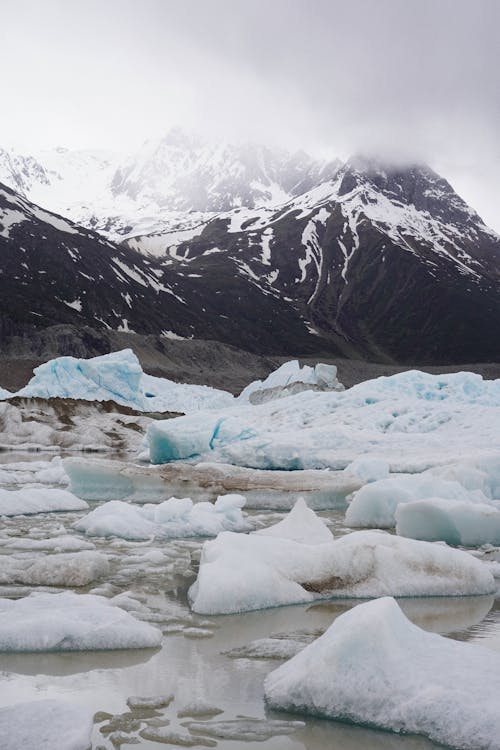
(270,251)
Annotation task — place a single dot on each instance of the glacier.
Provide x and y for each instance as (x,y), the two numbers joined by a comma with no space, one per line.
(374,667)
(412,420)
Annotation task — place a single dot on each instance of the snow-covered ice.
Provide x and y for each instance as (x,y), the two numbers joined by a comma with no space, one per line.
(70,622)
(38,500)
(374,667)
(241,572)
(118,377)
(45,725)
(452,521)
(413,420)
(174,518)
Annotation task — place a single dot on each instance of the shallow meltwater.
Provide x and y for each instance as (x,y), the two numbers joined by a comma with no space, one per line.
(203,687)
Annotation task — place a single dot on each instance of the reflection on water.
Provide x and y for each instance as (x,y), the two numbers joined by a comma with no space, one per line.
(73,662)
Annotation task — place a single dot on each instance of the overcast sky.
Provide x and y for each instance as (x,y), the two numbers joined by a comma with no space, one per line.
(414,79)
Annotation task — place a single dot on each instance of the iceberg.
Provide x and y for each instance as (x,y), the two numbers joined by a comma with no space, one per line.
(413,421)
(240,572)
(174,518)
(300,525)
(375,504)
(291,378)
(118,377)
(34,500)
(70,622)
(45,725)
(374,667)
(451,521)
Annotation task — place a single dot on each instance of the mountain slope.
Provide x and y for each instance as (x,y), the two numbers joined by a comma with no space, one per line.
(52,271)
(389,262)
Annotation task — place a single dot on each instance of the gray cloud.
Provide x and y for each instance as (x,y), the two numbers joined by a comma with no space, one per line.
(407,78)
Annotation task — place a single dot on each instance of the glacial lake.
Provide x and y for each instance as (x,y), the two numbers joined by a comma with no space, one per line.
(193,662)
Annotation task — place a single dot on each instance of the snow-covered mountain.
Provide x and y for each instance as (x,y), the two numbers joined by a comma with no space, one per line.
(153,188)
(386,262)
(52,271)
(267,250)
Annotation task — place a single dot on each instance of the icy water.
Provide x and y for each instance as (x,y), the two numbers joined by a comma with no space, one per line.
(193,662)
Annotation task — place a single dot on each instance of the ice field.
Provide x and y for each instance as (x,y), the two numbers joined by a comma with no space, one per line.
(256,575)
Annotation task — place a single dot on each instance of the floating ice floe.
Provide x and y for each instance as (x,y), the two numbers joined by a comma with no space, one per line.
(245,729)
(38,500)
(374,667)
(119,377)
(33,473)
(375,504)
(452,521)
(174,518)
(413,420)
(473,483)
(246,572)
(45,725)
(291,378)
(65,569)
(99,479)
(70,622)
(62,543)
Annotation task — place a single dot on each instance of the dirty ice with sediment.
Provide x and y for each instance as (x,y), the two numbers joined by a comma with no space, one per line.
(183,566)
